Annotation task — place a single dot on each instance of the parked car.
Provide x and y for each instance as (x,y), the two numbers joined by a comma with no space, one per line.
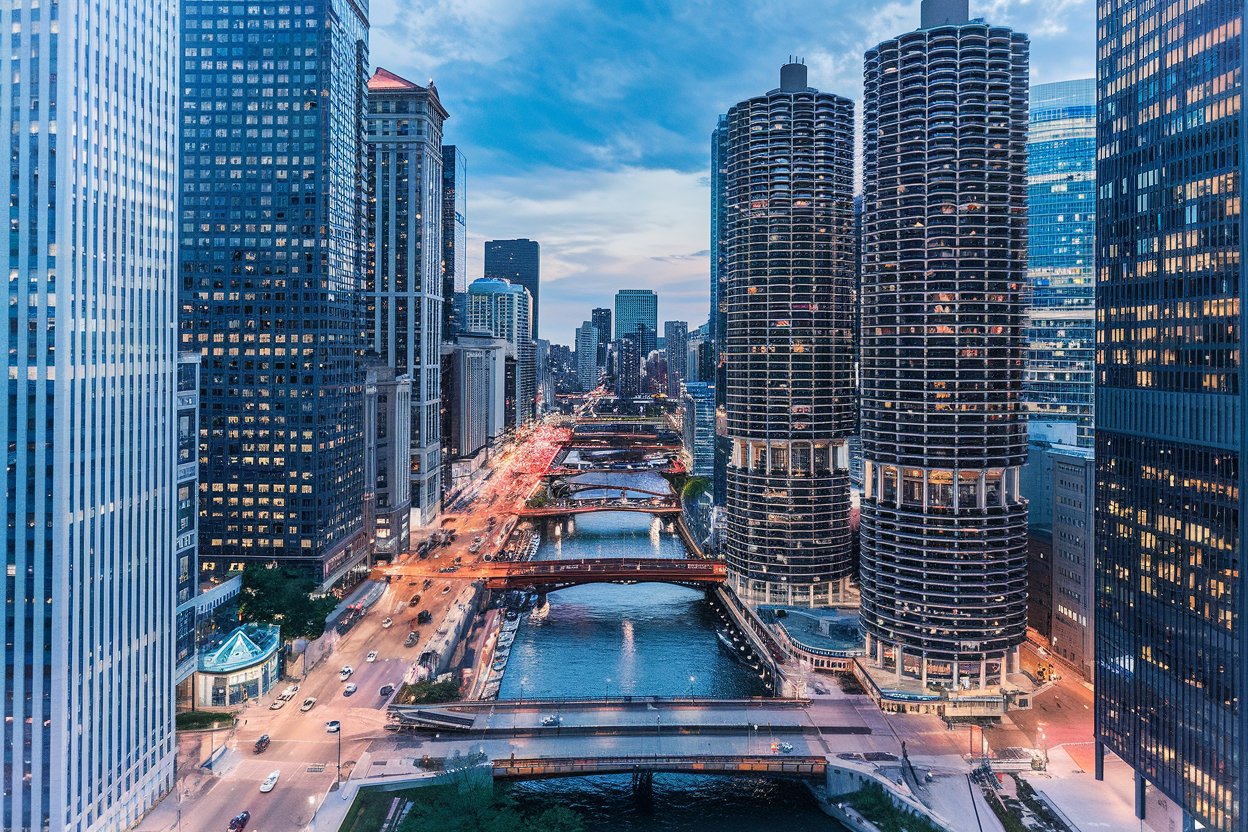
(333,726)
(371,657)
(239,822)
(261,744)
(350,689)
(446,589)
(278,704)
(289,693)
(387,623)
(386,690)
(307,704)
(270,782)
(411,639)
(781,748)
(428,583)
(415,600)
(345,673)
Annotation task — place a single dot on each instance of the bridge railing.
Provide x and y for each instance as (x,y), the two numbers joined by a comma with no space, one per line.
(517,767)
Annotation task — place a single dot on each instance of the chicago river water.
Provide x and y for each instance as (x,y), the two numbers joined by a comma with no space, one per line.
(644,639)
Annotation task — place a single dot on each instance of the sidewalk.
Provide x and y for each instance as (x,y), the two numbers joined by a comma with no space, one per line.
(1107,806)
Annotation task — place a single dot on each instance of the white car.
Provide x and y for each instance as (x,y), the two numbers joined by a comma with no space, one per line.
(307,704)
(289,692)
(278,704)
(350,689)
(371,657)
(387,624)
(345,673)
(333,726)
(270,782)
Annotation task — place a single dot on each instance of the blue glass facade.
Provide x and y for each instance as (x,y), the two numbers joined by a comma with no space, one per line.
(454,237)
(1170,601)
(271,259)
(1061,204)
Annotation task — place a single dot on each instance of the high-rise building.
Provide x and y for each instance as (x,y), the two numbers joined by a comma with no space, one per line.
(789,397)
(387,457)
(698,405)
(454,236)
(404,307)
(519,263)
(89,414)
(944,563)
(601,319)
(1061,206)
(272,259)
(188,512)
(635,308)
(474,395)
(719,214)
(587,356)
(676,348)
(1171,641)
(627,367)
(503,310)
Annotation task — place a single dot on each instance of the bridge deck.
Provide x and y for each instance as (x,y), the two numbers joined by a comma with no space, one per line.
(537,767)
(608,570)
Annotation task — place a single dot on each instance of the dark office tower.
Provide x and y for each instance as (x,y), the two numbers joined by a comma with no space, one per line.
(454,236)
(403,284)
(519,262)
(789,398)
(676,336)
(272,259)
(719,211)
(628,373)
(944,565)
(1170,626)
(601,319)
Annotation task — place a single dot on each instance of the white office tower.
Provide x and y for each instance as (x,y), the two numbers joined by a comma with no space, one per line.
(89,101)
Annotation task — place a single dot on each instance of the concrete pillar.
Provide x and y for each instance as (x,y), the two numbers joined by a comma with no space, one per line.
(1100,761)
(983,672)
(923,670)
(1140,786)
(900,656)
(957,680)
(879,653)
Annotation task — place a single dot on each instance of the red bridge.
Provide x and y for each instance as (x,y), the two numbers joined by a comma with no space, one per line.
(556,574)
(566,507)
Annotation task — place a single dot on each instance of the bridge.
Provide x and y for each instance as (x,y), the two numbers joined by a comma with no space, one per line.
(569,507)
(532,768)
(550,575)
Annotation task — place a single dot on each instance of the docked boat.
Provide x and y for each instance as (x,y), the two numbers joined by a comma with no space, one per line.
(726,643)
(540,612)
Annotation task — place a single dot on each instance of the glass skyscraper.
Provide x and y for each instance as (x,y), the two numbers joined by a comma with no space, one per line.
(454,236)
(789,397)
(90,100)
(519,262)
(272,255)
(1170,595)
(637,313)
(944,259)
(1061,206)
(506,311)
(406,257)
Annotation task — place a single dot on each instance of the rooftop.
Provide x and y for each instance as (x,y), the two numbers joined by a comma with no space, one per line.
(247,645)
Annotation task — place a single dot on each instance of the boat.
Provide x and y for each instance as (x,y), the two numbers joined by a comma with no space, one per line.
(727,644)
(499,665)
(540,613)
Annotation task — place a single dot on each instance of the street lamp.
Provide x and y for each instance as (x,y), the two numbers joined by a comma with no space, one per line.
(607,693)
(692,679)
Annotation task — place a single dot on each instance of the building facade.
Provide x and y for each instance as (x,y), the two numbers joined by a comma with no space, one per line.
(454,237)
(403,287)
(637,310)
(89,415)
(676,349)
(1061,209)
(272,254)
(944,248)
(628,367)
(719,251)
(387,457)
(473,366)
(1170,637)
(1072,610)
(186,542)
(601,319)
(587,356)
(789,397)
(698,413)
(519,262)
(505,311)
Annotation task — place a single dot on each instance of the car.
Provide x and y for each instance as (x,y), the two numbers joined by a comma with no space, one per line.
(386,690)
(411,639)
(345,673)
(781,748)
(270,782)
(387,623)
(307,704)
(278,704)
(552,720)
(350,689)
(289,693)
(446,589)
(239,822)
(428,583)
(261,744)
(415,601)
(412,582)
(333,726)
(425,617)
(371,657)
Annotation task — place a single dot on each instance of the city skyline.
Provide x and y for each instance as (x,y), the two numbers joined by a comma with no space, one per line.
(613,176)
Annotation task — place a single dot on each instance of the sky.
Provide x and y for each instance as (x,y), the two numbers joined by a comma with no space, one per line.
(586,125)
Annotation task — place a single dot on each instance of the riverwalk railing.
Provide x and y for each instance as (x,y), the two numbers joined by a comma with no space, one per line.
(537,767)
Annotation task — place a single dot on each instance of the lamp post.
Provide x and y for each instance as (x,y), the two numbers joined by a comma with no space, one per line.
(607,691)
(692,679)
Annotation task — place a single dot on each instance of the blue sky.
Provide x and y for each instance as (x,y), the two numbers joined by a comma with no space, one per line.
(586,125)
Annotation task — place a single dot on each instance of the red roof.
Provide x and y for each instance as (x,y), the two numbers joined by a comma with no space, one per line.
(384,79)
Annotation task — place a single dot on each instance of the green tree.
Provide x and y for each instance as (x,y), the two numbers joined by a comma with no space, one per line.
(288,597)
(694,488)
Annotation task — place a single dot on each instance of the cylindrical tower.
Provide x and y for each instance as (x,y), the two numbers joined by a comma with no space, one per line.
(944,566)
(789,397)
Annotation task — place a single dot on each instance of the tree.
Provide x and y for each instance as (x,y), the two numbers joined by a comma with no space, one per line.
(694,488)
(288,597)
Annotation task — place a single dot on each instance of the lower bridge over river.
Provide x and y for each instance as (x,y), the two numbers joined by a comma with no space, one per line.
(531,768)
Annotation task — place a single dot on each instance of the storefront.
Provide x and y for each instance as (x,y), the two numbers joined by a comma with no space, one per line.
(241,667)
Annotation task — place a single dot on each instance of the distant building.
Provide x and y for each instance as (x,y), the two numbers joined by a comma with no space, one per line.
(387,455)
(587,356)
(635,308)
(518,262)
(1071,632)
(655,375)
(628,368)
(474,365)
(454,237)
(403,286)
(505,311)
(242,666)
(601,319)
(676,349)
(698,406)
